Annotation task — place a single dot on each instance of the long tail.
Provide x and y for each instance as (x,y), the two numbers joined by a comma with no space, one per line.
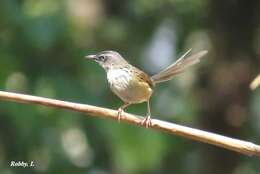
(179,66)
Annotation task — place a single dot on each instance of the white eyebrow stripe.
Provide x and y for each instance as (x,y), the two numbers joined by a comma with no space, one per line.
(108,53)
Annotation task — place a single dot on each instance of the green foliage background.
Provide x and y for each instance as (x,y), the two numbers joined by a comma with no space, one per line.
(42,45)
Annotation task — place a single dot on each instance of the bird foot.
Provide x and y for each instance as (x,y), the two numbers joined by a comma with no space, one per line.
(147,121)
(119,114)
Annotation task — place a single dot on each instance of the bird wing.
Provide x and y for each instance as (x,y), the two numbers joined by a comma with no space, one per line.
(142,76)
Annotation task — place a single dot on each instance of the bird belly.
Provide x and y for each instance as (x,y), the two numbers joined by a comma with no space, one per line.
(127,88)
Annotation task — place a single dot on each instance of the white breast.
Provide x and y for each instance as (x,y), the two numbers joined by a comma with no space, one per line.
(118,79)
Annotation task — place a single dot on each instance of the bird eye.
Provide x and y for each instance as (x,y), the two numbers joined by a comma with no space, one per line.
(102,58)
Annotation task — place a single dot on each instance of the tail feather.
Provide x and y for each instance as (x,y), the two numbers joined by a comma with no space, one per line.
(179,66)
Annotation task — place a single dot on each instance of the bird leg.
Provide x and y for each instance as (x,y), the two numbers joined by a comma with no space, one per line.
(147,120)
(120,110)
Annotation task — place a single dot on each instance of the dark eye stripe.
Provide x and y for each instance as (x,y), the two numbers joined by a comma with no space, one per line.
(102,58)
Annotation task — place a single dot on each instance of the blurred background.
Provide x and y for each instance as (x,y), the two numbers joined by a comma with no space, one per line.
(42,45)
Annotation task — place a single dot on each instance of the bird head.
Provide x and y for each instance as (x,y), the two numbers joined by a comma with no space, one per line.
(107,59)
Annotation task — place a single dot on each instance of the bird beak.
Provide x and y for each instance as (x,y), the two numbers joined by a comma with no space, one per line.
(91,57)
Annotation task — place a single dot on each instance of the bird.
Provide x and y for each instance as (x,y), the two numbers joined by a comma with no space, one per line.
(133,85)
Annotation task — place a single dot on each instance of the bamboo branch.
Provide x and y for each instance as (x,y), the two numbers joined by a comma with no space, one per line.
(240,146)
(255,83)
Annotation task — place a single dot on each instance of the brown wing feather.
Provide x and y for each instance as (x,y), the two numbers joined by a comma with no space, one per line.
(143,76)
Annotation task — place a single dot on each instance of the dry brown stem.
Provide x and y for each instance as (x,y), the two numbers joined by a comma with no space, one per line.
(255,83)
(240,146)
